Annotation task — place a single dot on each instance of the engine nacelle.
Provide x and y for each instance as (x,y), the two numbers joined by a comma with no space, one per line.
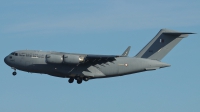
(54,59)
(72,59)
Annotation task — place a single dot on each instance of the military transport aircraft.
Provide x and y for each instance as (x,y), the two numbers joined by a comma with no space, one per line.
(86,66)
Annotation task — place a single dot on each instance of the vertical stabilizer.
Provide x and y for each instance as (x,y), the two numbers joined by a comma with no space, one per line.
(162,44)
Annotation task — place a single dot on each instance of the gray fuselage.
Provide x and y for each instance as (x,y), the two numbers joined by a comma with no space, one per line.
(36,62)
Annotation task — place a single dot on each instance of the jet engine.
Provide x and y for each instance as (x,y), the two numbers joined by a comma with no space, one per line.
(54,59)
(73,59)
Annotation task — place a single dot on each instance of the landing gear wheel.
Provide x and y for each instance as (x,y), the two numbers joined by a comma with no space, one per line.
(85,78)
(79,81)
(14,73)
(71,80)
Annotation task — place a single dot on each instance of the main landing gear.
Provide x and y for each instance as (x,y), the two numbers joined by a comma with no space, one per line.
(71,80)
(79,80)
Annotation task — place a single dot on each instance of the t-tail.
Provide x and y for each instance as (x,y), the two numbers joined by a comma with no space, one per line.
(162,44)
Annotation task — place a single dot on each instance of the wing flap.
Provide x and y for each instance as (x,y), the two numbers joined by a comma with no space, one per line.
(99,58)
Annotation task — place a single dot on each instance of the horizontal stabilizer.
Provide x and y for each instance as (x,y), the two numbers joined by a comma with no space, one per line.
(177,33)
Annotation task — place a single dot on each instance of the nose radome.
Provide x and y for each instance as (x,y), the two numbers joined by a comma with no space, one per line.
(6,60)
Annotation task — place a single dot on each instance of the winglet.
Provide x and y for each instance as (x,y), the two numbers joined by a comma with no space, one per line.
(126,52)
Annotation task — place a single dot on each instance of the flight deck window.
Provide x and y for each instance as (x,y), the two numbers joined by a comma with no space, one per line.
(22,54)
(35,55)
(16,54)
(28,55)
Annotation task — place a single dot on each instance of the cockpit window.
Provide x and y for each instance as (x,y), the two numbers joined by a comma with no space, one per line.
(22,54)
(14,54)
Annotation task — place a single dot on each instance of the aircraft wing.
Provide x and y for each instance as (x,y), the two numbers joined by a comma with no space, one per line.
(104,58)
(99,58)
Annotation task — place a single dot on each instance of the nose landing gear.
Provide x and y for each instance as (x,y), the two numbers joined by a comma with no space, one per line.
(14,73)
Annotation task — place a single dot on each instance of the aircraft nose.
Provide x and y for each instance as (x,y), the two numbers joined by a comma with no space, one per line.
(6,60)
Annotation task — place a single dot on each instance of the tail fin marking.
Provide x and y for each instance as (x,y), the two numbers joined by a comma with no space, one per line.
(161,44)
